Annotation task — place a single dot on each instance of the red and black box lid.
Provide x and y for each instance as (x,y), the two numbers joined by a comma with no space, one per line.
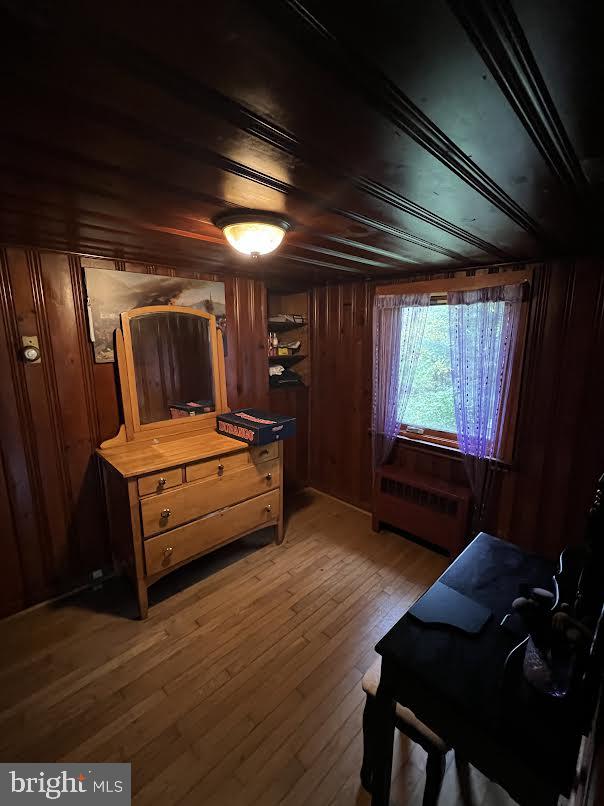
(255,427)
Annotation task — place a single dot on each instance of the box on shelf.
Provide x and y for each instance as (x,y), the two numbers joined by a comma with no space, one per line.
(255,427)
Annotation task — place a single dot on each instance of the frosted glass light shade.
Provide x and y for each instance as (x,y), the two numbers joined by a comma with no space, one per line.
(253,232)
(253,238)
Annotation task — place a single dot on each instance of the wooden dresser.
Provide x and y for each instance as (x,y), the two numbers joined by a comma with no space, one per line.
(175,489)
(178,499)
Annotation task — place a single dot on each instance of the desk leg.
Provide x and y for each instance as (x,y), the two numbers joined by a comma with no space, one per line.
(384,714)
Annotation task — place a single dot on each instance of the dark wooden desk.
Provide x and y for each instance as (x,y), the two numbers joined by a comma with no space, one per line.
(454,682)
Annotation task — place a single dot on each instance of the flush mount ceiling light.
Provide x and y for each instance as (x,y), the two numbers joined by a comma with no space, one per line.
(253,232)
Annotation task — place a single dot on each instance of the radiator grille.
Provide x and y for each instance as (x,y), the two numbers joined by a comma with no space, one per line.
(421,497)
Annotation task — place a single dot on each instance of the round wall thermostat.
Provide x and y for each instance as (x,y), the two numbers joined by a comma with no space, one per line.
(30,353)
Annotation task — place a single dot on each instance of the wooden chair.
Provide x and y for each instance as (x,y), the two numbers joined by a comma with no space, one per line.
(409,724)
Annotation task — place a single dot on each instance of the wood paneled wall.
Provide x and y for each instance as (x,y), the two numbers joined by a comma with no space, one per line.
(293,402)
(340,453)
(54,414)
(541,502)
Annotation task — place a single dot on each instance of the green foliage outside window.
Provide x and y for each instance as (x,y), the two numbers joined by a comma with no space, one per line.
(431,401)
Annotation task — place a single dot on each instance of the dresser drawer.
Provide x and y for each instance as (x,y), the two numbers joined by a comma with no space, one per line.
(169,549)
(218,465)
(158,482)
(162,512)
(262,453)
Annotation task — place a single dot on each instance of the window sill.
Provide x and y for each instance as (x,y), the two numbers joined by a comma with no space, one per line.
(425,446)
(431,447)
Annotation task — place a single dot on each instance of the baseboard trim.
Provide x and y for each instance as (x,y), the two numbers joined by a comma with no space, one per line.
(72,592)
(340,500)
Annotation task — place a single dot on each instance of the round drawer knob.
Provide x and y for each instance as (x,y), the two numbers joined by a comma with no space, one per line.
(269,476)
(268,508)
(165,513)
(161,482)
(168,551)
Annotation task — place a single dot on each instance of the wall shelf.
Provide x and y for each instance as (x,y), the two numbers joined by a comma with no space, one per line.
(294,399)
(286,360)
(281,327)
(294,387)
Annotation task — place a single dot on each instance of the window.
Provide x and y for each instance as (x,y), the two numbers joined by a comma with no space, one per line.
(430,412)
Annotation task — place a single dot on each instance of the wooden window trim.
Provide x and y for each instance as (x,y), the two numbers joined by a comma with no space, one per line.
(430,435)
(438,288)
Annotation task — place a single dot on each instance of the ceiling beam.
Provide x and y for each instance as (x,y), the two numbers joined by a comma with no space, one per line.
(382,94)
(496,33)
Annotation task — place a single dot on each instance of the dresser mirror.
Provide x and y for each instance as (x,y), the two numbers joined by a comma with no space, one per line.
(172,358)
(171,369)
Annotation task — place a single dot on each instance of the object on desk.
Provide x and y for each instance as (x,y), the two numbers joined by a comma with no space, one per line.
(554,639)
(255,427)
(548,671)
(443,606)
(282,350)
(190,409)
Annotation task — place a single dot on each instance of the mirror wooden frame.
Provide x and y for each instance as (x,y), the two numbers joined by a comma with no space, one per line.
(132,429)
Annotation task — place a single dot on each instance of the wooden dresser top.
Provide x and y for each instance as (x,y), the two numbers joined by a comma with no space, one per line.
(137,458)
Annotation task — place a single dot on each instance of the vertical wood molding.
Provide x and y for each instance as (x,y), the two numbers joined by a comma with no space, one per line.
(588,456)
(62,566)
(85,348)
(25,482)
(13,592)
(13,573)
(340,450)
(529,463)
(555,473)
(50,378)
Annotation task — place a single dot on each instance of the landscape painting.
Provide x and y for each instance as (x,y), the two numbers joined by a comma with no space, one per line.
(112,292)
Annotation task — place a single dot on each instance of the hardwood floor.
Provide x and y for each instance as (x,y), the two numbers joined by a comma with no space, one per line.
(243,687)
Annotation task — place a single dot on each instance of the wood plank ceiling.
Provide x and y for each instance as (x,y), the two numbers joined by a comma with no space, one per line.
(399,136)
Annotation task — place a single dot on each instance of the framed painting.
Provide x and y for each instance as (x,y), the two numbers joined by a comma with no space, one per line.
(110,293)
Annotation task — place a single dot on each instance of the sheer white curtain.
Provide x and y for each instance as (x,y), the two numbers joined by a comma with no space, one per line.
(399,321)
(483,326)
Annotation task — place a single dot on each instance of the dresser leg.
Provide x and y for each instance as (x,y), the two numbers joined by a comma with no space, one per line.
(279,532)
(143,599)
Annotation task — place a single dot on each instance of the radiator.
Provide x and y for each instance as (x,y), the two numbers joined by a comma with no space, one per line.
(425,507)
